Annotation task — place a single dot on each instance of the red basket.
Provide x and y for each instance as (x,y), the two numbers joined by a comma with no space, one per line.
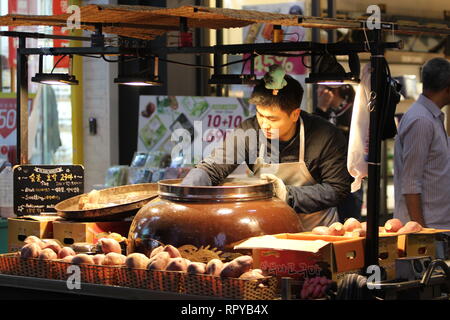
(231,288)
(9,263)
(90,273)
(132,278)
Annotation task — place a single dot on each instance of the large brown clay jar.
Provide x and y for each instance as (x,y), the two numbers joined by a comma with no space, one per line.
(217,216)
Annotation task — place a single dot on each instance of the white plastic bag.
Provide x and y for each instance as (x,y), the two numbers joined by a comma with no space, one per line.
(358,146)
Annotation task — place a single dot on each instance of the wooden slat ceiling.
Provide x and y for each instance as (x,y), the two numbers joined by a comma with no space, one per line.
(144,22)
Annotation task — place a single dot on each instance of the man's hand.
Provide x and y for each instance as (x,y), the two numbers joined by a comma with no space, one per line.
(414,205)
(278,185)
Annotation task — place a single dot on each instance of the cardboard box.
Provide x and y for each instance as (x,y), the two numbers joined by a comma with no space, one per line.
(21,227)
(69,232)
(423,243)
(387,254)
(302,255)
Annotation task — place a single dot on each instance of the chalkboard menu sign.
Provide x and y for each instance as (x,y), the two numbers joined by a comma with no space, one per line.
(38,188)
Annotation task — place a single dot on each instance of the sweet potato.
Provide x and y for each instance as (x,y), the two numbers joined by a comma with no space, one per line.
(137,261)
(114,259)
(116,236)
(214,267)
(237,267)
(196,268)
(177,264)
(68,259)
(321,230)
(82,258)
(47,254)
(109,245)
(358,233)
(337,229)
(66,251)
(159,261)
(156,251)
(351,224)
(393,225)
(173,252)
(99,258)
(30,250)
(52,244)
(33,239)
(410,227)
(253,274)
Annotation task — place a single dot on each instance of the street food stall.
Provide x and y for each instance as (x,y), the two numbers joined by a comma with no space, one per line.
(233,241)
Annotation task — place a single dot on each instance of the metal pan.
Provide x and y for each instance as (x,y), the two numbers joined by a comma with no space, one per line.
(122,202)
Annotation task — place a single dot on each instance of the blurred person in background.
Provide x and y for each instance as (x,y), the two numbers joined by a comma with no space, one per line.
(335,104)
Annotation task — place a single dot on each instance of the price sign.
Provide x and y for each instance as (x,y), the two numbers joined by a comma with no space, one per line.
(39,188)
(219,125)
(292,65)
(8,117)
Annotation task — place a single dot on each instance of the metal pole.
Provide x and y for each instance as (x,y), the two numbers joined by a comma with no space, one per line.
(218,58)
(331,11)
(315,37)
(374,163)
(22,104)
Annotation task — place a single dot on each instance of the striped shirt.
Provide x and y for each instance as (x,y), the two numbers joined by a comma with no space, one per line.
(422,163)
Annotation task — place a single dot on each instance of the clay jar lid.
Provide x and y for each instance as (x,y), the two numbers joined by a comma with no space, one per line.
(231,190)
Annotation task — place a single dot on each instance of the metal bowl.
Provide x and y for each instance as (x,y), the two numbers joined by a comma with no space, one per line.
(122,202)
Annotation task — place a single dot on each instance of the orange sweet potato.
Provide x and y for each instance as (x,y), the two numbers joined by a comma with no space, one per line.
(51,244)
(156,251)
(66,251)
(33,239)
(107,245)
(196,268)
(177,264)
(114,259)
(82,258)
(214,267)
(173,252)
(237,267)
(351,224)
(410,227)
(159,261)
(321,230)
(337,229)
(253,274)
(99,258)
(68,259)
(393,225)
(47,254)
(30,250)
(137,261)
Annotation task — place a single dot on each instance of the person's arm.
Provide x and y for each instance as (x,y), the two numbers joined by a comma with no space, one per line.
(414,205)
(416,138)
(335,179)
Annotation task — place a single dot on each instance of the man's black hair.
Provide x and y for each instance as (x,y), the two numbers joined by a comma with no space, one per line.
(288,99)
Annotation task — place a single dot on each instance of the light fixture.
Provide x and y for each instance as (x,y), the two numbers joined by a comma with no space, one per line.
(249,79)
(141,79)
(245,79)
(55,78)
(328,71)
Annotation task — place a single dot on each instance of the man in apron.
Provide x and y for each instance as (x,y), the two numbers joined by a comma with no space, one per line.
(303,155)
